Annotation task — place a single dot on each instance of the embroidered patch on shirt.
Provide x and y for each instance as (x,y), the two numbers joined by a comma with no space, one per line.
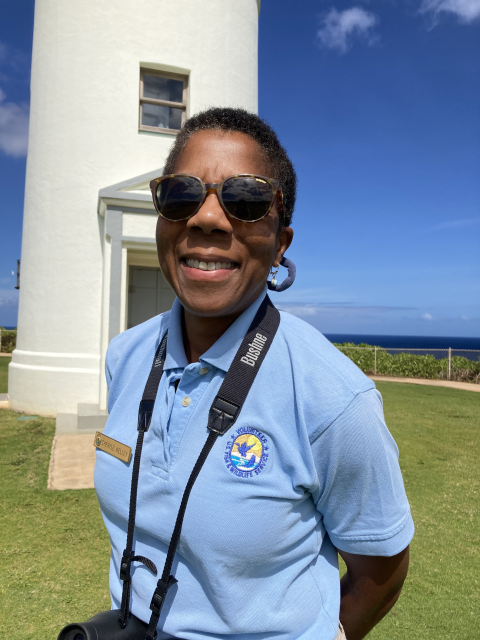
(246,453)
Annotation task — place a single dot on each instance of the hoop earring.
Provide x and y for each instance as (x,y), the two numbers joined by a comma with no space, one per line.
(289,280)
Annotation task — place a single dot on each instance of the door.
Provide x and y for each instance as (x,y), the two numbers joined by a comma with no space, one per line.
(148,294)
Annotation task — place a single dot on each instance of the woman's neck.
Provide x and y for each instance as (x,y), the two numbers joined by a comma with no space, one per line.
(200,333)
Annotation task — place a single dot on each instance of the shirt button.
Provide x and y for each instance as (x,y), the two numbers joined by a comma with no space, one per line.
(186,401)
(203,371)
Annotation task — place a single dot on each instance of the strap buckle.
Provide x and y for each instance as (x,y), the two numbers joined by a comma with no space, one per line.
(159,595)
(125,565)
(222,415)
(145,412)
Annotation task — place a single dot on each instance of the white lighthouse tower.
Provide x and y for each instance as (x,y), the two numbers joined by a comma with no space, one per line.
(111,84)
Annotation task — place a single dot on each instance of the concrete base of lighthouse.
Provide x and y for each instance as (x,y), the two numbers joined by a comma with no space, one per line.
(88,419)
(51,383)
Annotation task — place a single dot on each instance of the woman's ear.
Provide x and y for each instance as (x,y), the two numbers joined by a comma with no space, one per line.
(284,240)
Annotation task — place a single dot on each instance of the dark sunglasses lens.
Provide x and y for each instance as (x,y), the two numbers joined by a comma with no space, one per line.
(178,197)
(247,197)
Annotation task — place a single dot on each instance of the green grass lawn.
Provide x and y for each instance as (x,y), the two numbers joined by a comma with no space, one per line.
(55,551)
(4,362)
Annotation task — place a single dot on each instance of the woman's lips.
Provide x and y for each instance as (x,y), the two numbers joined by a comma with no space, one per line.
(208,271)
(208,265)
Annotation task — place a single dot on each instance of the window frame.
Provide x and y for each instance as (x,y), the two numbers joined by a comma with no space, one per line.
(164,103)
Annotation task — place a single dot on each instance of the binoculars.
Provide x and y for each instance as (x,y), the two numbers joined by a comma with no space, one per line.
(104,626)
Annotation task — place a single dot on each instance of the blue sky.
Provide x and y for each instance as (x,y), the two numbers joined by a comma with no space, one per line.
(378,103)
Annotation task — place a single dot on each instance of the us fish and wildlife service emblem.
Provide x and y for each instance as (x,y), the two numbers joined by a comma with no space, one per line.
(246,452)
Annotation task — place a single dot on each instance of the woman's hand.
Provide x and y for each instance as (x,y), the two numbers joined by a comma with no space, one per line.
(369,589)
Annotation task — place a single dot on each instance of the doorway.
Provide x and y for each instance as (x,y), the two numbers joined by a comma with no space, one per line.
(148,294)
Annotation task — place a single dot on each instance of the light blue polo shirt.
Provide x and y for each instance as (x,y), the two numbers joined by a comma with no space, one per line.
(308,466)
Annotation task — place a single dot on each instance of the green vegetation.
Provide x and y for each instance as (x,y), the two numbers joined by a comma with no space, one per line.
(8,340)
(54,547)
(4,362)
(56,551)
(410,365)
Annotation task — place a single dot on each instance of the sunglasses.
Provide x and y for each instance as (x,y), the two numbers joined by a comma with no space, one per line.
(245,197)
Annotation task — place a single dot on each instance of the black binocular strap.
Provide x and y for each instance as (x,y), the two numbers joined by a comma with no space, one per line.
(144,417)
(224,411)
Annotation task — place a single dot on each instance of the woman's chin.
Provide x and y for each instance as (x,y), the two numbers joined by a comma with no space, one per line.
(212,300)
(219,292)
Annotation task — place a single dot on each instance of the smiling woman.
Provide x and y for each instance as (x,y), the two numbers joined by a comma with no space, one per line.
(308,468)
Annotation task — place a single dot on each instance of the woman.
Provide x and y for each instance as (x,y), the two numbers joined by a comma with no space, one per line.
(308,469)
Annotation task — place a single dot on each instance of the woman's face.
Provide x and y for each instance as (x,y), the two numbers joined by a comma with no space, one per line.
(248,249)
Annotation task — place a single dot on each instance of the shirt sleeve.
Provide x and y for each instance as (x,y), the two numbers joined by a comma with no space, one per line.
(361,495)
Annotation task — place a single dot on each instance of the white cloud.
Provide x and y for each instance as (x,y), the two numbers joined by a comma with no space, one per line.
(16,63)
(13,127)
(338,28)
(463,318)
(466,11)
(426,316)
(454,224)
(327,308)
(301,311)
(8,298)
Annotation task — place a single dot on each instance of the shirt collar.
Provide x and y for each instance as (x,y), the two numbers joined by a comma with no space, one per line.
(221,353)
(175,358)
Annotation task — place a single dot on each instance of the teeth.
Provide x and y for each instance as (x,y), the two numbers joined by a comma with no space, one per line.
(208,266)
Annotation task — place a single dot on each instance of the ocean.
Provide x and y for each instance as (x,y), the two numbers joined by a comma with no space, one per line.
(407,342)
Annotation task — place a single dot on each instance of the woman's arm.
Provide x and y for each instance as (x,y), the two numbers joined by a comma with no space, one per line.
(369,589)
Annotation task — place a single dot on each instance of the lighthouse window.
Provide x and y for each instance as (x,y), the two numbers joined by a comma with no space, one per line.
(163,101)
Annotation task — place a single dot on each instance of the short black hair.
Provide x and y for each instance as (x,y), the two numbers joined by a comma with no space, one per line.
(242,121)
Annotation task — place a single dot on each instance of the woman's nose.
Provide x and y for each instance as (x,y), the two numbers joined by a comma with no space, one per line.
(210,217)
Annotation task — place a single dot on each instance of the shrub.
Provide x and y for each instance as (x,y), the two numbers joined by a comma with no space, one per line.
(8,340)
(409,365)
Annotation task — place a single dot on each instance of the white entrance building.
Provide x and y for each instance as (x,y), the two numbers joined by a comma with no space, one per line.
(111,84)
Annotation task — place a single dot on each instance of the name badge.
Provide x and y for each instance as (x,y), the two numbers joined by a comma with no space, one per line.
(113,447)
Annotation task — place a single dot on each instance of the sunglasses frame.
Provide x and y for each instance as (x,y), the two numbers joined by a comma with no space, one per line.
(209,187)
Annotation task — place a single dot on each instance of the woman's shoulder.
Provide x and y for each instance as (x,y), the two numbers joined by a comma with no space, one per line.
(313,349)
(322,376)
